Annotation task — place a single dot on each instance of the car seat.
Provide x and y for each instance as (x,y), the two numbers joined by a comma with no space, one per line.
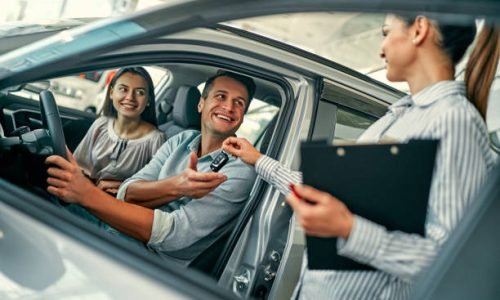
(165,105)
(185,111)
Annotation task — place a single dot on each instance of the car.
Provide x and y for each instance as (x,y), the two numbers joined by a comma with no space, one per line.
(299,96)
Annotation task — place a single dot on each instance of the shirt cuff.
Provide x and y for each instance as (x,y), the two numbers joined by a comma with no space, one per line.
(162,225)
(122,190)
(364,241)
(265,167)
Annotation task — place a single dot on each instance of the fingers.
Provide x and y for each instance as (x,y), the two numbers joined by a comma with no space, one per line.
(56,182)
(71,159)
(57,160)
(108,184)
(294,202)
(313,195)
(54,191)
(193,161)
(202,185)
(309,199)
(236,146)
(231,146)
(58,173)
(206,177)
(111,191)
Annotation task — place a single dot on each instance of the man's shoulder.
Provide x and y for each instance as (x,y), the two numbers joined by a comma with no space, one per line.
(186,135)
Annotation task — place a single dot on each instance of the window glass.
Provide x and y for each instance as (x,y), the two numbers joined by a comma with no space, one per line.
(350,125)
(256,120)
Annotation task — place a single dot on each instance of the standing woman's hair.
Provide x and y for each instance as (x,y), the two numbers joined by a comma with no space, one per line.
(481,67)
(149,113)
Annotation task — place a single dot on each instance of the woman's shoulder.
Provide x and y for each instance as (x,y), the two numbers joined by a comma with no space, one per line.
(102,121)
(100,126)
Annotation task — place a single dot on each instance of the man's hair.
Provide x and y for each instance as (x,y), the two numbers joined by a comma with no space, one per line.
(247,82)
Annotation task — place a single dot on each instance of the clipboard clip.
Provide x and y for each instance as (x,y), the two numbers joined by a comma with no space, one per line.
(394,150)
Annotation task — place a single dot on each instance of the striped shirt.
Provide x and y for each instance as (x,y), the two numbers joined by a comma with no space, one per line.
(464,157)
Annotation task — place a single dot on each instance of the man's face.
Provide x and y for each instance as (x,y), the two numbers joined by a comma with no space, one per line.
(223,110)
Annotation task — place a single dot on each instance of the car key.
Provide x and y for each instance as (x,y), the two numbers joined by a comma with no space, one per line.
(219,161)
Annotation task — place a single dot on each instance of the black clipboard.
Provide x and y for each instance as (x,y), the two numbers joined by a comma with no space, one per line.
(388,184)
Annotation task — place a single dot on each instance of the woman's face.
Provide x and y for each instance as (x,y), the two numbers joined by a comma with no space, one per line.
(129,96)
(398,49)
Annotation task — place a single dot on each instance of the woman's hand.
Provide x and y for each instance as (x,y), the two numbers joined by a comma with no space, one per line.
(109,186)
(66,180)
(241,148)
(320,213)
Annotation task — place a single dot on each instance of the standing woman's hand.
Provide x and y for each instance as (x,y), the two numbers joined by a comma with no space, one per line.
(320,213)
(241,148)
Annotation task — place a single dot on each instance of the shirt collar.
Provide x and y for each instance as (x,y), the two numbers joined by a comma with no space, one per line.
(429,95)
(439,90)
(194,145)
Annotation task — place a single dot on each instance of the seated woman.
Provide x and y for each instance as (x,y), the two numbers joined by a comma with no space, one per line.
(125,137)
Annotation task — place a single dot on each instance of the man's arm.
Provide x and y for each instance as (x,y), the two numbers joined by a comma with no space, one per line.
(67,182)
(199,218)
(190,183)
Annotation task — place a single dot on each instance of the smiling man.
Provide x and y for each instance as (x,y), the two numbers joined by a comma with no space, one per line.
(159,208)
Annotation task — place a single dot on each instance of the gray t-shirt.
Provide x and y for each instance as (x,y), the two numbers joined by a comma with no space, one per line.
(103,155)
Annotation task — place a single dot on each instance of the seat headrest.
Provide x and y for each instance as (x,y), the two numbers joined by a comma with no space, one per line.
(185,111)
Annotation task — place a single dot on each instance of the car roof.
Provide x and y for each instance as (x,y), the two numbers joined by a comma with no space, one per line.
(112,33)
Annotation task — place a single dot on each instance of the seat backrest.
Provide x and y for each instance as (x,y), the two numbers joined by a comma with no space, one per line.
(165,105)
(185,113)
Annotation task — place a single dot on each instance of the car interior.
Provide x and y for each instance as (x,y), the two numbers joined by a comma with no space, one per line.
(26,144)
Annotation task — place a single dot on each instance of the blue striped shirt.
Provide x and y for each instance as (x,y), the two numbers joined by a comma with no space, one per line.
(464,157)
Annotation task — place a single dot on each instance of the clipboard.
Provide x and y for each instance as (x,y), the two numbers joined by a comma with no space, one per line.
(388,184)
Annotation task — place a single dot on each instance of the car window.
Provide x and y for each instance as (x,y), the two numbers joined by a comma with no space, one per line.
(257,118)
(350,125)
(84,91)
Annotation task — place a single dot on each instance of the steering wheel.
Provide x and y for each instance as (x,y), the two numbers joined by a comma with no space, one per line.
(51,121)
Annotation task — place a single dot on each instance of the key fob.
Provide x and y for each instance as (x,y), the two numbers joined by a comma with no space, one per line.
(219,161)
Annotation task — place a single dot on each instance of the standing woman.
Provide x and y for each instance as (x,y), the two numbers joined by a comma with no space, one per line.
(125,137)
(424,54)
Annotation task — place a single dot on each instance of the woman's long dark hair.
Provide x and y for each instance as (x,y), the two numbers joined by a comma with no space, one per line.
(481,66)
(149,113)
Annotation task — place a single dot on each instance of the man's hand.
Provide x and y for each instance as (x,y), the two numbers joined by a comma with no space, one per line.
(195,184)
(241,148)
(66,180)
(322,214)
(109,186)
